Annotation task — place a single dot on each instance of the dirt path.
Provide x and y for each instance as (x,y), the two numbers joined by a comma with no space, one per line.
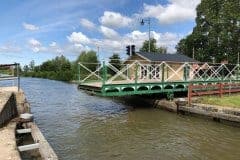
(8,148)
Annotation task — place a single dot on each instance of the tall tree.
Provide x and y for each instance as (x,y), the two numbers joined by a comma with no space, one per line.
(89,59)
(32,65)
(216,34)
(115,61)
(153,47)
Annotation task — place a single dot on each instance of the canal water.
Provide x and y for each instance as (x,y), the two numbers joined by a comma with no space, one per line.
(85,127)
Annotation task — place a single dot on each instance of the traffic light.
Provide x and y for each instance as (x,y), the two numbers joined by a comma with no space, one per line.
(133,49)
(128,50)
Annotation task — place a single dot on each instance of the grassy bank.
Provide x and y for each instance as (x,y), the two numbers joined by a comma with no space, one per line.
(225,101)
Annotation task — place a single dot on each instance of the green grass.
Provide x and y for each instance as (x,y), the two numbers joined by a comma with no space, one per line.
(225,101)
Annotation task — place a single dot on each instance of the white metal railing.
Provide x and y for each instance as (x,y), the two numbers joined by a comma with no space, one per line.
(10,72)
(142,71)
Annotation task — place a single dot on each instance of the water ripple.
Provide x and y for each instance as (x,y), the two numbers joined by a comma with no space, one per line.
(80,126)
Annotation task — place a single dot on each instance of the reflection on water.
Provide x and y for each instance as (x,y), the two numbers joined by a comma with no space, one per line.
(80,126)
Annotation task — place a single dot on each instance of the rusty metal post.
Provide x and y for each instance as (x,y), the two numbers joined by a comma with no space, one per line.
(221,89)
(18,76)
(190,86)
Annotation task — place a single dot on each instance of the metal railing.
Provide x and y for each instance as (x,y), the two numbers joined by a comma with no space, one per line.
(10,72)
(142,71)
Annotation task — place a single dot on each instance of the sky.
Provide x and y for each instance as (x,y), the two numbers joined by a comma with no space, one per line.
(40,30)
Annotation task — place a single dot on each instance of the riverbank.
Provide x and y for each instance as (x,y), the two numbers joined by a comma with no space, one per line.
(81,126)
(13,105)
(216,112)
(8,146)
(225,101)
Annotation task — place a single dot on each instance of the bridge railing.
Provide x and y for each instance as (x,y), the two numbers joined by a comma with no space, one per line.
(9,73)
(136,71)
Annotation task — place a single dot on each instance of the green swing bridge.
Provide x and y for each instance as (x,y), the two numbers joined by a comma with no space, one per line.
(136,77)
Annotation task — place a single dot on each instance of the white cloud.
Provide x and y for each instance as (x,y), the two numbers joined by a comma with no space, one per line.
(108,45)
(137,38)
(78,37)
(55,48)
(30,27)
(78,42)
(36,46)
(114,19)
(86,23)
(108,32)
(53,44)
(76,48)
(9,48)
(167,39)
(34,42)
(175,11)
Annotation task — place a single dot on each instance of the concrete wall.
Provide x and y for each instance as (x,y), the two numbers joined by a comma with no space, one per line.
(215,112)
(8,109)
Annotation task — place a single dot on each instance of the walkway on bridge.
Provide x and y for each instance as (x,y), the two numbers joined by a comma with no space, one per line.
(139,77)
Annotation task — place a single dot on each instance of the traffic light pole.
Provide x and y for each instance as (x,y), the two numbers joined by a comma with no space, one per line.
(149,36)
(130,50)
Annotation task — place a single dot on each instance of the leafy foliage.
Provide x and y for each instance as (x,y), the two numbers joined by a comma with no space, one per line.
(115,61)
(153,47)
(60,68)
(216,34)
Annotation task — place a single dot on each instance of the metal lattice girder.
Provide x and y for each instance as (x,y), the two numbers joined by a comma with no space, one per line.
(92,73)
(215,73)
(230,73)
(156,71)
(205,68)
(117,70)
(121,72)
(197,74)
(175,73)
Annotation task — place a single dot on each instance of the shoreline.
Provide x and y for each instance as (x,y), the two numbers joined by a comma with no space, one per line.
(215,112)
(13,105)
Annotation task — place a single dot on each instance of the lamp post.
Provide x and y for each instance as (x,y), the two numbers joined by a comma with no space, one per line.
(143,21)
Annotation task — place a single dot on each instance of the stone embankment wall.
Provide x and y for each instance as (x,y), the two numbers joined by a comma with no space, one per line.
(8,108)
(216,112)
(12,104)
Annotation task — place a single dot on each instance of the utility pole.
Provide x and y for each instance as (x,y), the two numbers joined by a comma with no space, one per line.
(143,21)
(193,56)
(238,58)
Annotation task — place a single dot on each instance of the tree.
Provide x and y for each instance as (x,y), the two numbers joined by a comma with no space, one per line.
(88,59)
(162,50)
(115,61)
(216,34)
(59,68)
(153,47)
(32,65)
(25,68)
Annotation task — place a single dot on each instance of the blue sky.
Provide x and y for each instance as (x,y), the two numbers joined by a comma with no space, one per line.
(43,29)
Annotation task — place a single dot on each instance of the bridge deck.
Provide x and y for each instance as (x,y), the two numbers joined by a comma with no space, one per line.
(163,77)
(124,88)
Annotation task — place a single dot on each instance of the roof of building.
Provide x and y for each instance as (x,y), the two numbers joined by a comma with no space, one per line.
(166,57)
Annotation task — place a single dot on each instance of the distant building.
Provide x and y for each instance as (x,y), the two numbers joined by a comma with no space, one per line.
(154,66)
